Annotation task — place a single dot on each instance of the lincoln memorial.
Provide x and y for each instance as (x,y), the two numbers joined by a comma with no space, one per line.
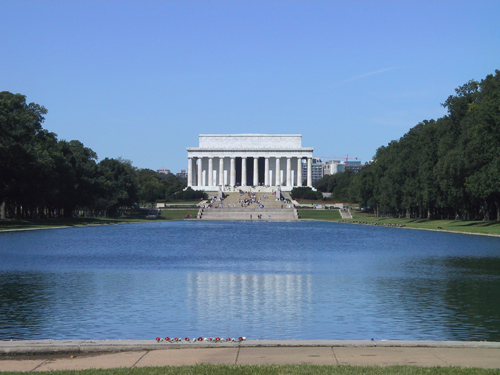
(229,160)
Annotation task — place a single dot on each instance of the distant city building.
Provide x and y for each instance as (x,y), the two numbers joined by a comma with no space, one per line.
(352,165)
(316,169)
(163,170)
(331,167)
(182,174)
(336,166)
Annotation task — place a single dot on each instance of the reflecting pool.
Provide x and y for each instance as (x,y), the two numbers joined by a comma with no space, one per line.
(263,280)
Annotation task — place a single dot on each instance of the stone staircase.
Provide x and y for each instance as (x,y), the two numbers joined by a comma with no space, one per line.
(345,213)
(264,207)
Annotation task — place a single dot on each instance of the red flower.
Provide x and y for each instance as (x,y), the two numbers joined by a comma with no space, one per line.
(167,338)
(200,338)
(228,339)
(186,339)
(176,339)
(158,339)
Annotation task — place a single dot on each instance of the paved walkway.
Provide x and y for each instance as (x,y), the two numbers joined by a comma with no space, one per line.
(78,355)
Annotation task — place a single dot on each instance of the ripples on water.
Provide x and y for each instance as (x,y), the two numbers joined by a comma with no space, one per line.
(307,280)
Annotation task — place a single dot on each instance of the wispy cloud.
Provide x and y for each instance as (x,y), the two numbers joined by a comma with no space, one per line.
(373,73)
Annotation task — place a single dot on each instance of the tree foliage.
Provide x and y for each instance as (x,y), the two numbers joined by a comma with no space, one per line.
(305,192)
(338,184)
(444,168)
(42,176)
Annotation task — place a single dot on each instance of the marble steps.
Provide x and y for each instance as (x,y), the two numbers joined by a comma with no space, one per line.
(249,214)
(277,210)
(270,202)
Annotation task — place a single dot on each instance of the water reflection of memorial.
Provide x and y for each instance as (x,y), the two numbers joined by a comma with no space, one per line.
(228,301)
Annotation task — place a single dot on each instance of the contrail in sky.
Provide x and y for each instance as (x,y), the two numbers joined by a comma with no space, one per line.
(372,73)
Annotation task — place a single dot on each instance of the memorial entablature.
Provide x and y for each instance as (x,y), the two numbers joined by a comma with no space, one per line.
(245,160)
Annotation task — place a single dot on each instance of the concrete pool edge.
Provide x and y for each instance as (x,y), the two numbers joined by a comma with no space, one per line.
(44,347)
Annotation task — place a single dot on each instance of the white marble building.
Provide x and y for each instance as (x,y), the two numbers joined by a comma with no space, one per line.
(230,160)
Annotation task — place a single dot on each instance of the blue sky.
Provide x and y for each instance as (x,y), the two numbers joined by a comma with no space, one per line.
(141,79)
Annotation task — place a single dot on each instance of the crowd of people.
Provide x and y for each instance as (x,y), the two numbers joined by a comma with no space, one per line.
(216,203)
(248,198)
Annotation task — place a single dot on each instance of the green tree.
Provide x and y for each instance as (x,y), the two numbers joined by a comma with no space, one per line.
(190,194)
(151,186)
(363,188)
(322,185)
(338,185)
(22,155)
(483,148)
(76,177)
(458,105)
(173,185)
(118,185)
(306,192)
(443,168)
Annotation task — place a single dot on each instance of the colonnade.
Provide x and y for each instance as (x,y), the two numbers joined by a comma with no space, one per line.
(248,170)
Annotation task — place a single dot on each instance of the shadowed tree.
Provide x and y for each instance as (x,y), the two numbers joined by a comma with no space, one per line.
(118,184)
(151,186)
(76,176)
(22,151)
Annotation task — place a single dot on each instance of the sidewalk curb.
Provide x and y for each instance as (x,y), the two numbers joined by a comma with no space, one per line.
(43,347)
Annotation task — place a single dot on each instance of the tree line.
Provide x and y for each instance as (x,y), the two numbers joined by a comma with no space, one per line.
(444,168)
(41,176)
(441,169)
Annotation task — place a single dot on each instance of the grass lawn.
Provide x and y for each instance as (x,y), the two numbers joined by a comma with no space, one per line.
(479,227)
(174,214)
(330,215)
(309,202)
(276,370)
(62,222)
(183,202)
(179,214)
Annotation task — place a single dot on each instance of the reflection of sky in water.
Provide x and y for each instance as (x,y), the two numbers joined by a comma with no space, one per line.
(262,280)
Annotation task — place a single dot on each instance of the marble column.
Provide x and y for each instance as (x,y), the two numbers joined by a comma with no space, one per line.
(278,174)
(200,166)
(221,171)
(289,172)
(243,171)
(266,172)
(210,172)
(299,171)
(255,171)
(309,172)
(233,172)
(190,171)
